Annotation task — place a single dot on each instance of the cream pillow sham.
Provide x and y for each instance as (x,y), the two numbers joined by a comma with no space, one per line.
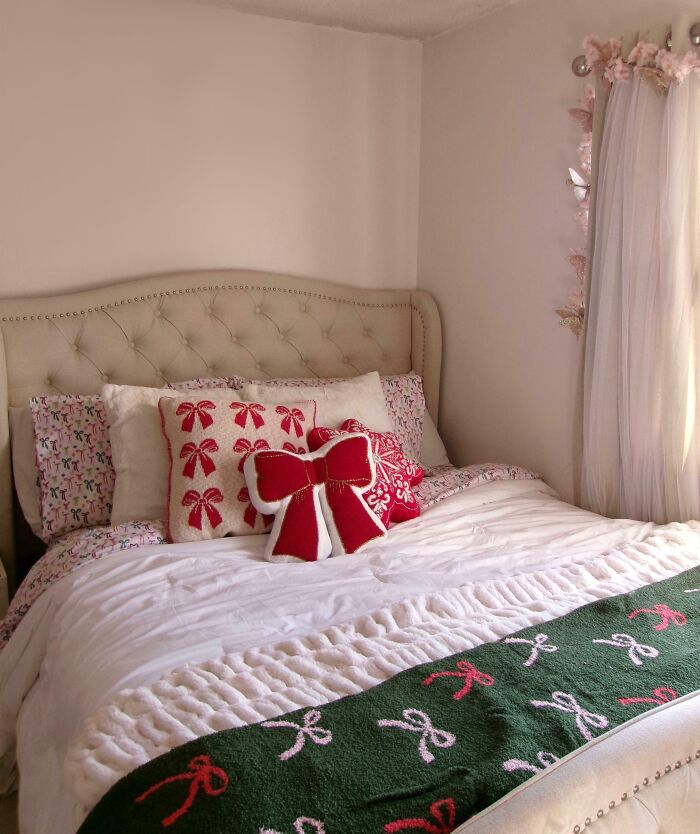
(360,398)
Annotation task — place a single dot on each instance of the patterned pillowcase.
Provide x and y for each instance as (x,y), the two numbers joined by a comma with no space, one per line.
(74,459)
(44,528)
(200,383)
(391,498)
(403,394)
(405,403)
(208,442)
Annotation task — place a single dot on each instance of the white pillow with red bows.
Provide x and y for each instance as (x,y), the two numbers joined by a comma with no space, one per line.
(210,434)
(317,499)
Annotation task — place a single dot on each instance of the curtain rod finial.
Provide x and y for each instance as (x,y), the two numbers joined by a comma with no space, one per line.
(579,66)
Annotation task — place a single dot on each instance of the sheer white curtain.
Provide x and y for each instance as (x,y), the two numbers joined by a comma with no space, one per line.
(641,443)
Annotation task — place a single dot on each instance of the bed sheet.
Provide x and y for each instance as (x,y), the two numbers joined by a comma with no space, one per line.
(127,619)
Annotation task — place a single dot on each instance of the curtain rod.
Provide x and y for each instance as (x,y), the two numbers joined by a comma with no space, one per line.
(580,67)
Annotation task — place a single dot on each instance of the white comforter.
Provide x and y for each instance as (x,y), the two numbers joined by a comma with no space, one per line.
(132,617)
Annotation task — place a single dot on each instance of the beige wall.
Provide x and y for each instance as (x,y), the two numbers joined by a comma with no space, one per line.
(496,220)
(151,135)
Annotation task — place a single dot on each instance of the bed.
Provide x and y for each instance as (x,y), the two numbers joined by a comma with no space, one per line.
(109,666)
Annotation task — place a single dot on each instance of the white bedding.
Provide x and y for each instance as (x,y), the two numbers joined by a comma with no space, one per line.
(130,618)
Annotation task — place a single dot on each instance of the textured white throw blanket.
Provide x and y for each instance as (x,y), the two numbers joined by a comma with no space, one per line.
(247,687)
(129,618)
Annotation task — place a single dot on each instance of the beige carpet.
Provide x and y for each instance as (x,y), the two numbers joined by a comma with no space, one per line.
(8,815)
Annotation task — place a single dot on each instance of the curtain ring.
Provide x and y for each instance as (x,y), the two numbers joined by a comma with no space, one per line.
(694,34)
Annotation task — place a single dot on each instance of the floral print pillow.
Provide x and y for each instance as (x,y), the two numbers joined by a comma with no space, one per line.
(200,383)
(74,459)
(405,403)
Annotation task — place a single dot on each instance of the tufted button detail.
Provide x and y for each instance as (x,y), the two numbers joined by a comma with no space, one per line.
(157,314)
(209,369)
(258,309)
(74,347)
(281,337)
(105,378)
(367,331)
(184,342)
(235,340)
(209,311)
(302,307)
(48,381)
(346,361)
(258,366)
(325,333)
(132,344)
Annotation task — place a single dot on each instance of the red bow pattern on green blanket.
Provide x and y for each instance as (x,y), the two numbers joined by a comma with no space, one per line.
(435,744)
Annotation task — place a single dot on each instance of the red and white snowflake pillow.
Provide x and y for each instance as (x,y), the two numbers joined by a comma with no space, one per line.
(391,497)
(209,439)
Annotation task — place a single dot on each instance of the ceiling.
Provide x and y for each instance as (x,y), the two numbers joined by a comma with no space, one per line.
(419,19)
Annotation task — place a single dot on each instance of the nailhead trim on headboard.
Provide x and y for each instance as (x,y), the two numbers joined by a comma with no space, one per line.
(131,342)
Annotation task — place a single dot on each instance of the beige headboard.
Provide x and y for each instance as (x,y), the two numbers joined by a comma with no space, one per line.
(165,328)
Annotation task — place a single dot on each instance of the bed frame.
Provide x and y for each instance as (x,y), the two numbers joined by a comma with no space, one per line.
(164,328)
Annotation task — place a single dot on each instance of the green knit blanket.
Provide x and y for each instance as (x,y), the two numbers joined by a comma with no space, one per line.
(433,745)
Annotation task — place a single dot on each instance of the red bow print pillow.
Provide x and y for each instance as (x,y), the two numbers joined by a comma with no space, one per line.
(209,438)
(317,499)
(391,497)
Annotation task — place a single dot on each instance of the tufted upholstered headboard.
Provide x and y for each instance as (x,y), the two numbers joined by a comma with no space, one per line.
(170,327)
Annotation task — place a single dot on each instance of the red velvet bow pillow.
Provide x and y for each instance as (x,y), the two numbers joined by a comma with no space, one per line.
(317,499)
(391,497)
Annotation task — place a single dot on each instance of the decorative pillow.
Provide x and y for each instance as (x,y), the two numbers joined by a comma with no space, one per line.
(405,404)
(432,451)
(24,468)
(139,451)
(74,459)
(360,397)
(313,521)
(391,497)
(209,437)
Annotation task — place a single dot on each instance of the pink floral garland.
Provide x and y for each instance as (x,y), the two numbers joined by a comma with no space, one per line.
(572,314)
(647,61)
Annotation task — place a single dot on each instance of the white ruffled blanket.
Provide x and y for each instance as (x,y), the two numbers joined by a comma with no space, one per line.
(247,687)
(505,552)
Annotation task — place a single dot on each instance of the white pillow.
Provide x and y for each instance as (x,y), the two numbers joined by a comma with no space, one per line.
(139,451)
(360,398)
(24,468)
(432,451)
